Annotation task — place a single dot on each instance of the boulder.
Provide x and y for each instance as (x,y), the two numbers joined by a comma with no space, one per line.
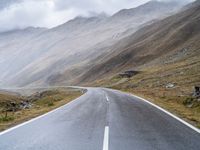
(25,105)
(170,85)
(128,74)
(197,91)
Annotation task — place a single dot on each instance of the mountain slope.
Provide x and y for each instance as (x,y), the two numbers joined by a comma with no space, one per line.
(155,44)
(70,48)
(166,59)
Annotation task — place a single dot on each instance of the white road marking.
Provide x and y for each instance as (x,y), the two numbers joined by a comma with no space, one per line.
(107,99)
(34,119)
(165,111)
(170,114)
(106,138)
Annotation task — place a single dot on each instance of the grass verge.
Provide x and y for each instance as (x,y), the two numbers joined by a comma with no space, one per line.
(12,112)
(170,86)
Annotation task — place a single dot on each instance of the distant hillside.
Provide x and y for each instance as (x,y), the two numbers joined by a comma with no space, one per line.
(49,56)
(169,40)
(118,22)
(149,8)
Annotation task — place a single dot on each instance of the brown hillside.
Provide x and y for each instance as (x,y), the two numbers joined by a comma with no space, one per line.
(156,42)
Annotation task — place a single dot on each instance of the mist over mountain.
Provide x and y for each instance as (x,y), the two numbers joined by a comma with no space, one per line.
(39,56)
(166,41)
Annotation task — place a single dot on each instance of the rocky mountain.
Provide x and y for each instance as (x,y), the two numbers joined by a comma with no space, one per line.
(63,54)
(149,8)
(172,39)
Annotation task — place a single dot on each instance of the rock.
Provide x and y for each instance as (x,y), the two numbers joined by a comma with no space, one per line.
(28,106)
(170,85)
(25,105)
(190,105)
(128,74)
(12,106)
(196,91)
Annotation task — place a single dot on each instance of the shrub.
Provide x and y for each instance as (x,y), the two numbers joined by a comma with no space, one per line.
(6,118)
(50,104)
(188,101)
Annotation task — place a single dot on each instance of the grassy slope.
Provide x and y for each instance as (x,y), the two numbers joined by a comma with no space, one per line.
(153,42)
(48,101)
(167,51)
(151,84)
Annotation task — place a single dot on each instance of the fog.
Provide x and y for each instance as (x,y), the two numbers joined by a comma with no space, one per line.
(17,14)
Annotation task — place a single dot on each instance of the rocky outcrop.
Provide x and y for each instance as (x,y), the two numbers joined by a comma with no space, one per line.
(128,74)
(197,91)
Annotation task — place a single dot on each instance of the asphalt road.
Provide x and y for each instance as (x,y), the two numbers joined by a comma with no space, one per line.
(103,119)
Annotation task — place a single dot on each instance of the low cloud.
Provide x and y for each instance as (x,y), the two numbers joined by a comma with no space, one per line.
(49,13)
(98,6)
(7,3)
(33,13)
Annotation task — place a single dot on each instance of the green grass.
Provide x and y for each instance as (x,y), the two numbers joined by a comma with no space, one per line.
(6,118)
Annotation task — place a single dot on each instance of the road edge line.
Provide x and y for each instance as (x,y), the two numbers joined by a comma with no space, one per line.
(169,113)
(36,118)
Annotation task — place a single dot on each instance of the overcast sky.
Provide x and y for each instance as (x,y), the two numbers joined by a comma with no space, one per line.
(50,13)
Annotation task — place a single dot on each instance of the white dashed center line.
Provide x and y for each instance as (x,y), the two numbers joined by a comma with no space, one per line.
(107,99)
(106,138)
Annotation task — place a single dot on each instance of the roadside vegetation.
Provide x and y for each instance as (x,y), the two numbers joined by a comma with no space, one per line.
(15,108)
(170,86)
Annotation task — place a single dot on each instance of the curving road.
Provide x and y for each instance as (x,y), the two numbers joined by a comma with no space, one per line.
(103,119)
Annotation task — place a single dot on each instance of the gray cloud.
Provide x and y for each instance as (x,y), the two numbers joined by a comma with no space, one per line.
(50,13)
(7,3)
(109,6)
